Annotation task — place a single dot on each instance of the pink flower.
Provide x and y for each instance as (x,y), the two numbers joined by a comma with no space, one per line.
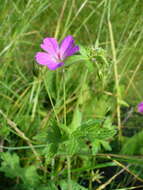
(140,107)
(55,55)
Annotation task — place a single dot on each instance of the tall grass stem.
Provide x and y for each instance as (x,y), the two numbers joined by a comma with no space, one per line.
(65,123)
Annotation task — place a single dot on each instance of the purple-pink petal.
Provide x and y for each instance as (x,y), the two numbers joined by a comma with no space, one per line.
(66,44)
(44,59)
(53,66)
(140,107)
(54,56)
(51,46)
(72,51)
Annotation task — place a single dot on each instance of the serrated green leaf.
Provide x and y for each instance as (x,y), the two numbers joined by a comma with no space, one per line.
(10,165)
(54,134)
(96,129)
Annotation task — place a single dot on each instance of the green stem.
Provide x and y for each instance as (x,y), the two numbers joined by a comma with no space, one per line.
(69,172)
(65,122)
(53,167)
(115,67)
(64,94)
(53,107)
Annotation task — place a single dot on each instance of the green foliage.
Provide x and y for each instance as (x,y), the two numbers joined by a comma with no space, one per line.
(64,185)
(31,97)
(11,167)
(4,132)
(76,121)
(96,129)
(135,143)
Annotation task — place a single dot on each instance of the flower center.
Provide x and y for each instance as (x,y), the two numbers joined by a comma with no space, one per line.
(58,57)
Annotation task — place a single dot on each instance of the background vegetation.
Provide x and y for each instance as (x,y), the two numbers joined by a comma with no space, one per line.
(81,131)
